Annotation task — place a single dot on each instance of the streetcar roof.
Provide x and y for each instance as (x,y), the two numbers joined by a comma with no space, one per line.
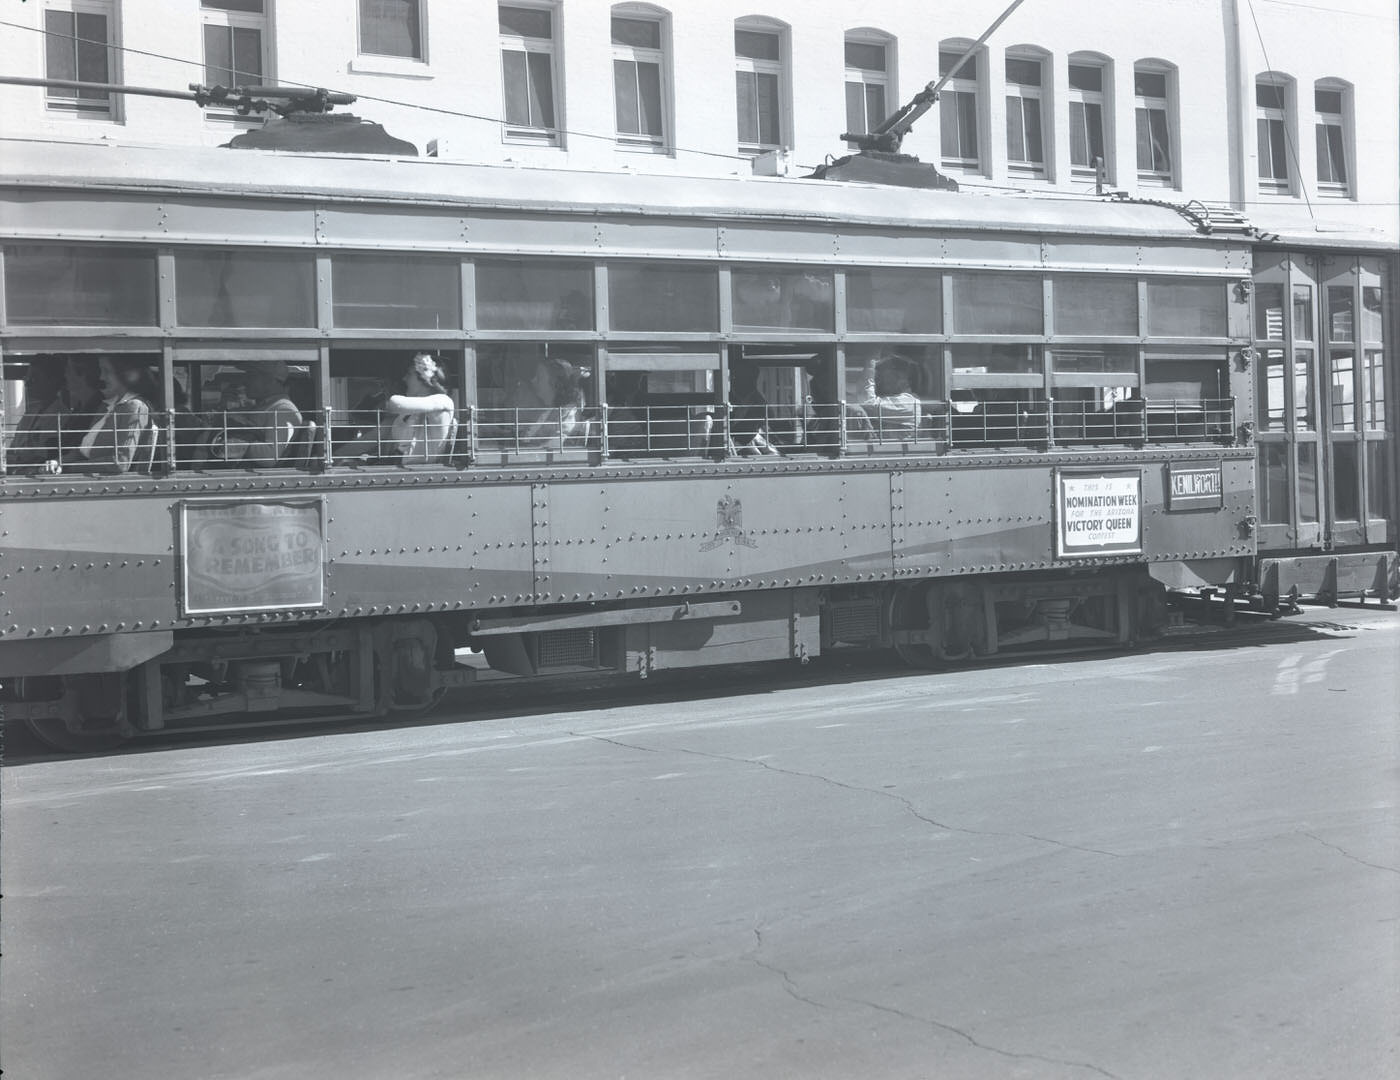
(207,171)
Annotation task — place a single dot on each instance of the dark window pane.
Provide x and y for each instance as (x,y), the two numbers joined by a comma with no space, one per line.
(958,124)
(1023,72)
(746,90)
(625,97)
(1031,111)
(1342,390)
(894,301)
(769,126)
(218,55)
(534,295)
(396,292)
(245,288)
(1269,96)
(1304,416)
(783,299)
(1151,84)
(1015,130)
(92,49)
(1274,494)
(1372,324)
(948,57)
(60,50)
(541,66)
(1096,305)
(390,28)
(1186,308)
(1328,101)
(517,88)
(1085,77)
(1346,481)
(1081,360)
(855,107)
(865,56)
(1378,480)
(664,298)
(758,45)
(1302,313)
(874,105)
(247,55)
(1307,483)
(60,285)
(649,98)
(1086,133)
(254,6)
(997,304)
(528,22)
(636,33)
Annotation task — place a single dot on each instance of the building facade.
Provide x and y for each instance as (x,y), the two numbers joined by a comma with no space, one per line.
(1281,109)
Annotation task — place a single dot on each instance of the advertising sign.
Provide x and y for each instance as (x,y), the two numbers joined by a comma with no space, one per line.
(1190,487)
(1098,513)
(252,555)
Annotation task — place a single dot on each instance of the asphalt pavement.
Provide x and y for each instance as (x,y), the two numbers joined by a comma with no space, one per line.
(1175,863)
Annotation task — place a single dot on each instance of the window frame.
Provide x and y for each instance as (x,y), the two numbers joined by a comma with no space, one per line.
(1339,121)
(867,79)
(659,57)
(238,20)
(390,61)
(1102,98)
(1273,120)
(1022,93)
(757,67)
(533,134)
(954,90)
(65,102)
(1147,104)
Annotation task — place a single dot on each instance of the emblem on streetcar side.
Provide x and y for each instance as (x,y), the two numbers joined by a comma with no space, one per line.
(729,525)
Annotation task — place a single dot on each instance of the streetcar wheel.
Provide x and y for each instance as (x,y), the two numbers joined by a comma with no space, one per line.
(908,610)
(94,708)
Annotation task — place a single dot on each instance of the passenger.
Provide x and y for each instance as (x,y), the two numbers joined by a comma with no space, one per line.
(888,408)
(261,435)
(749,421)
(36,435)
(82,401)
(192,432)
(414,425)
(549,406)
(111,442)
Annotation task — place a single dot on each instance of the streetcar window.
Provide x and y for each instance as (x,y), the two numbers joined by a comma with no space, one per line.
(1372,322)
(533,396)
(396,292)
(654,297)
(69,285)
(662,402)
(997,304)
(882,385)
(1096,305)
(245,288)
(894,301)
(975,360)
(1086,363)
(1184,308)
(1268,312)
(533,294)
(1272,412)
(783,299)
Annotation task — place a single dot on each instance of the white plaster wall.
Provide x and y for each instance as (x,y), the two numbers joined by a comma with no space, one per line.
(1214,45)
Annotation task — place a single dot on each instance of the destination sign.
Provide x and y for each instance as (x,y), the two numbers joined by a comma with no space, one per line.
(252,555)
(1098,513)
(1191,487)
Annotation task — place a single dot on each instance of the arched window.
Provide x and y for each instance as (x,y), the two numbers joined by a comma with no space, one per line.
(959,106)
(1154,88)
(870,57)
(1333,103)
(1273,106)
(641,75)
(761,83)
(1090,112)
(1027,86)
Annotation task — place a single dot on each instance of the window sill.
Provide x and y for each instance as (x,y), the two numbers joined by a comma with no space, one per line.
(392,66)
(1338,192)
(628,145)
(531,137)
(1156,180)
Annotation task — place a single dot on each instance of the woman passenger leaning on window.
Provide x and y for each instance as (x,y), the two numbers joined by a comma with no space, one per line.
(110,444)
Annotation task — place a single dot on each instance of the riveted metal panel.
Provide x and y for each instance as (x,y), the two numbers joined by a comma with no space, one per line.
(657,239)
(160,217)
(1200,532)
(396,228)
(777,243)
(509,235)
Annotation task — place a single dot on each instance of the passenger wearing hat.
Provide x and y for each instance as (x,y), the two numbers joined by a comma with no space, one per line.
(261,435)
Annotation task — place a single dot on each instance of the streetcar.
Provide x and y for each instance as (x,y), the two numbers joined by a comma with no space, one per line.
(692,421)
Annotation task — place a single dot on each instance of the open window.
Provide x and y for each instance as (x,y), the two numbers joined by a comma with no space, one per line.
(535,400)
(663,401)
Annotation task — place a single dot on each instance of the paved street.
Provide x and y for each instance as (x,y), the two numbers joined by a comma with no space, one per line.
(1172,864)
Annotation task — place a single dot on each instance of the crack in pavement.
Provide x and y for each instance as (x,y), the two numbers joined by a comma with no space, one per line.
(1348,855)
(790,985)
(906,803)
